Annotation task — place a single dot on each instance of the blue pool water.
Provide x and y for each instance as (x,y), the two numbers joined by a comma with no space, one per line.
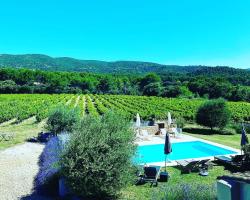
(182,150)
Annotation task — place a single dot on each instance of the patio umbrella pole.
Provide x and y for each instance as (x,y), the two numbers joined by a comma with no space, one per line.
(167,148)
(244,138)
(165,163)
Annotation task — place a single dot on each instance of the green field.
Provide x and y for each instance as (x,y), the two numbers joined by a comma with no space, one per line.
(24,106)
(23,115)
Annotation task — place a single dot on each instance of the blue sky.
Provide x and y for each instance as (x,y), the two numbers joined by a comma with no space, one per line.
(185,32)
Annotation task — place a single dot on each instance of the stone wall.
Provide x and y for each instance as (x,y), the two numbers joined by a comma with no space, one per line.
(151,129)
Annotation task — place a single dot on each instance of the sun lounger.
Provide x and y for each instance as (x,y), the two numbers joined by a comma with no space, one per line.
(188,166)
(222,159)
(151,174)
(175,132)
(238,158)
(194,166)
(145,135)
(203,164)
(163,131)
(142,135)
(235,164)
(228,160)
(139,137)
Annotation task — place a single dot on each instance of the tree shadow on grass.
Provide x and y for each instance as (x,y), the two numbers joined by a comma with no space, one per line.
(205,131)
(38,197)
(43,189)
(41,138)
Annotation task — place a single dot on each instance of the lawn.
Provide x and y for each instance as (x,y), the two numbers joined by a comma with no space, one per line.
(228,140)
(226,137)
(21,132)
(176,179)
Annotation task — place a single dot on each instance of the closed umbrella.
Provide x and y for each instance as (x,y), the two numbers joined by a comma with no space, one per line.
(169,119)
(167,148)
(138,121)
(244,138)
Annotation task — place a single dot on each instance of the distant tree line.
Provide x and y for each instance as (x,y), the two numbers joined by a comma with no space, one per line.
(165,85)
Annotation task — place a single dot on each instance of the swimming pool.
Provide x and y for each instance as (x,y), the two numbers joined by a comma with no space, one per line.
(180,151)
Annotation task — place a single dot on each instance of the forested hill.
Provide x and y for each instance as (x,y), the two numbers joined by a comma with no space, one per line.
(234,87)
(211,71)
(47,63)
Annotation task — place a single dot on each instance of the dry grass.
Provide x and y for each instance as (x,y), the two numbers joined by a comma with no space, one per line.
(22,131)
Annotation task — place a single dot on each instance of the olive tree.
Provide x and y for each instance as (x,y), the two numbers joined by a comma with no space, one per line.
(63,119)
(213,113)
(97,161)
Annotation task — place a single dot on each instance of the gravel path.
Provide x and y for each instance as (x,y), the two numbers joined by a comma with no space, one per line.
(18,168)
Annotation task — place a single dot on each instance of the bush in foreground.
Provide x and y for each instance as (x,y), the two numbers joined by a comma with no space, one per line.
(97,161)
(63,119)
(192,191)
(213,113)
(238,128)
(48,170)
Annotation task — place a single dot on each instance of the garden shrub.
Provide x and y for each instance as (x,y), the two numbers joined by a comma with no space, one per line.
(47,161)
(63,119)
(97,162)
(50,156)
(213,113)
(192,191)
(180,122)
(238,128)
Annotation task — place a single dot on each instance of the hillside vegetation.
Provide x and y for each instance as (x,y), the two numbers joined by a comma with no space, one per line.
(234,87)
(44,62)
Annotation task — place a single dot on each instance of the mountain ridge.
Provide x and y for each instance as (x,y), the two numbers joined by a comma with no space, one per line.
(48,63)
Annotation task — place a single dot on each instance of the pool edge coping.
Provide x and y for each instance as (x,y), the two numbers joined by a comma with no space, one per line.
(174,163)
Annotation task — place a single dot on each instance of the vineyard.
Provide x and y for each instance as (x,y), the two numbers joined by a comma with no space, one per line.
(21,107)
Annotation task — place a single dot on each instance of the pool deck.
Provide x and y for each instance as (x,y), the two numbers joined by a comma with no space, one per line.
(182,138)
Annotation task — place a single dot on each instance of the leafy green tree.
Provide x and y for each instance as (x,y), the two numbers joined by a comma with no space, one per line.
(185,92)
(213,113)
(8,86)
(104,86)
(26,89)
(172,91)
(25,76)
(153,89)
(231,84)
(149,79)
(214,87)
(63,119)
(220,88)
(97,161)
(240,93)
